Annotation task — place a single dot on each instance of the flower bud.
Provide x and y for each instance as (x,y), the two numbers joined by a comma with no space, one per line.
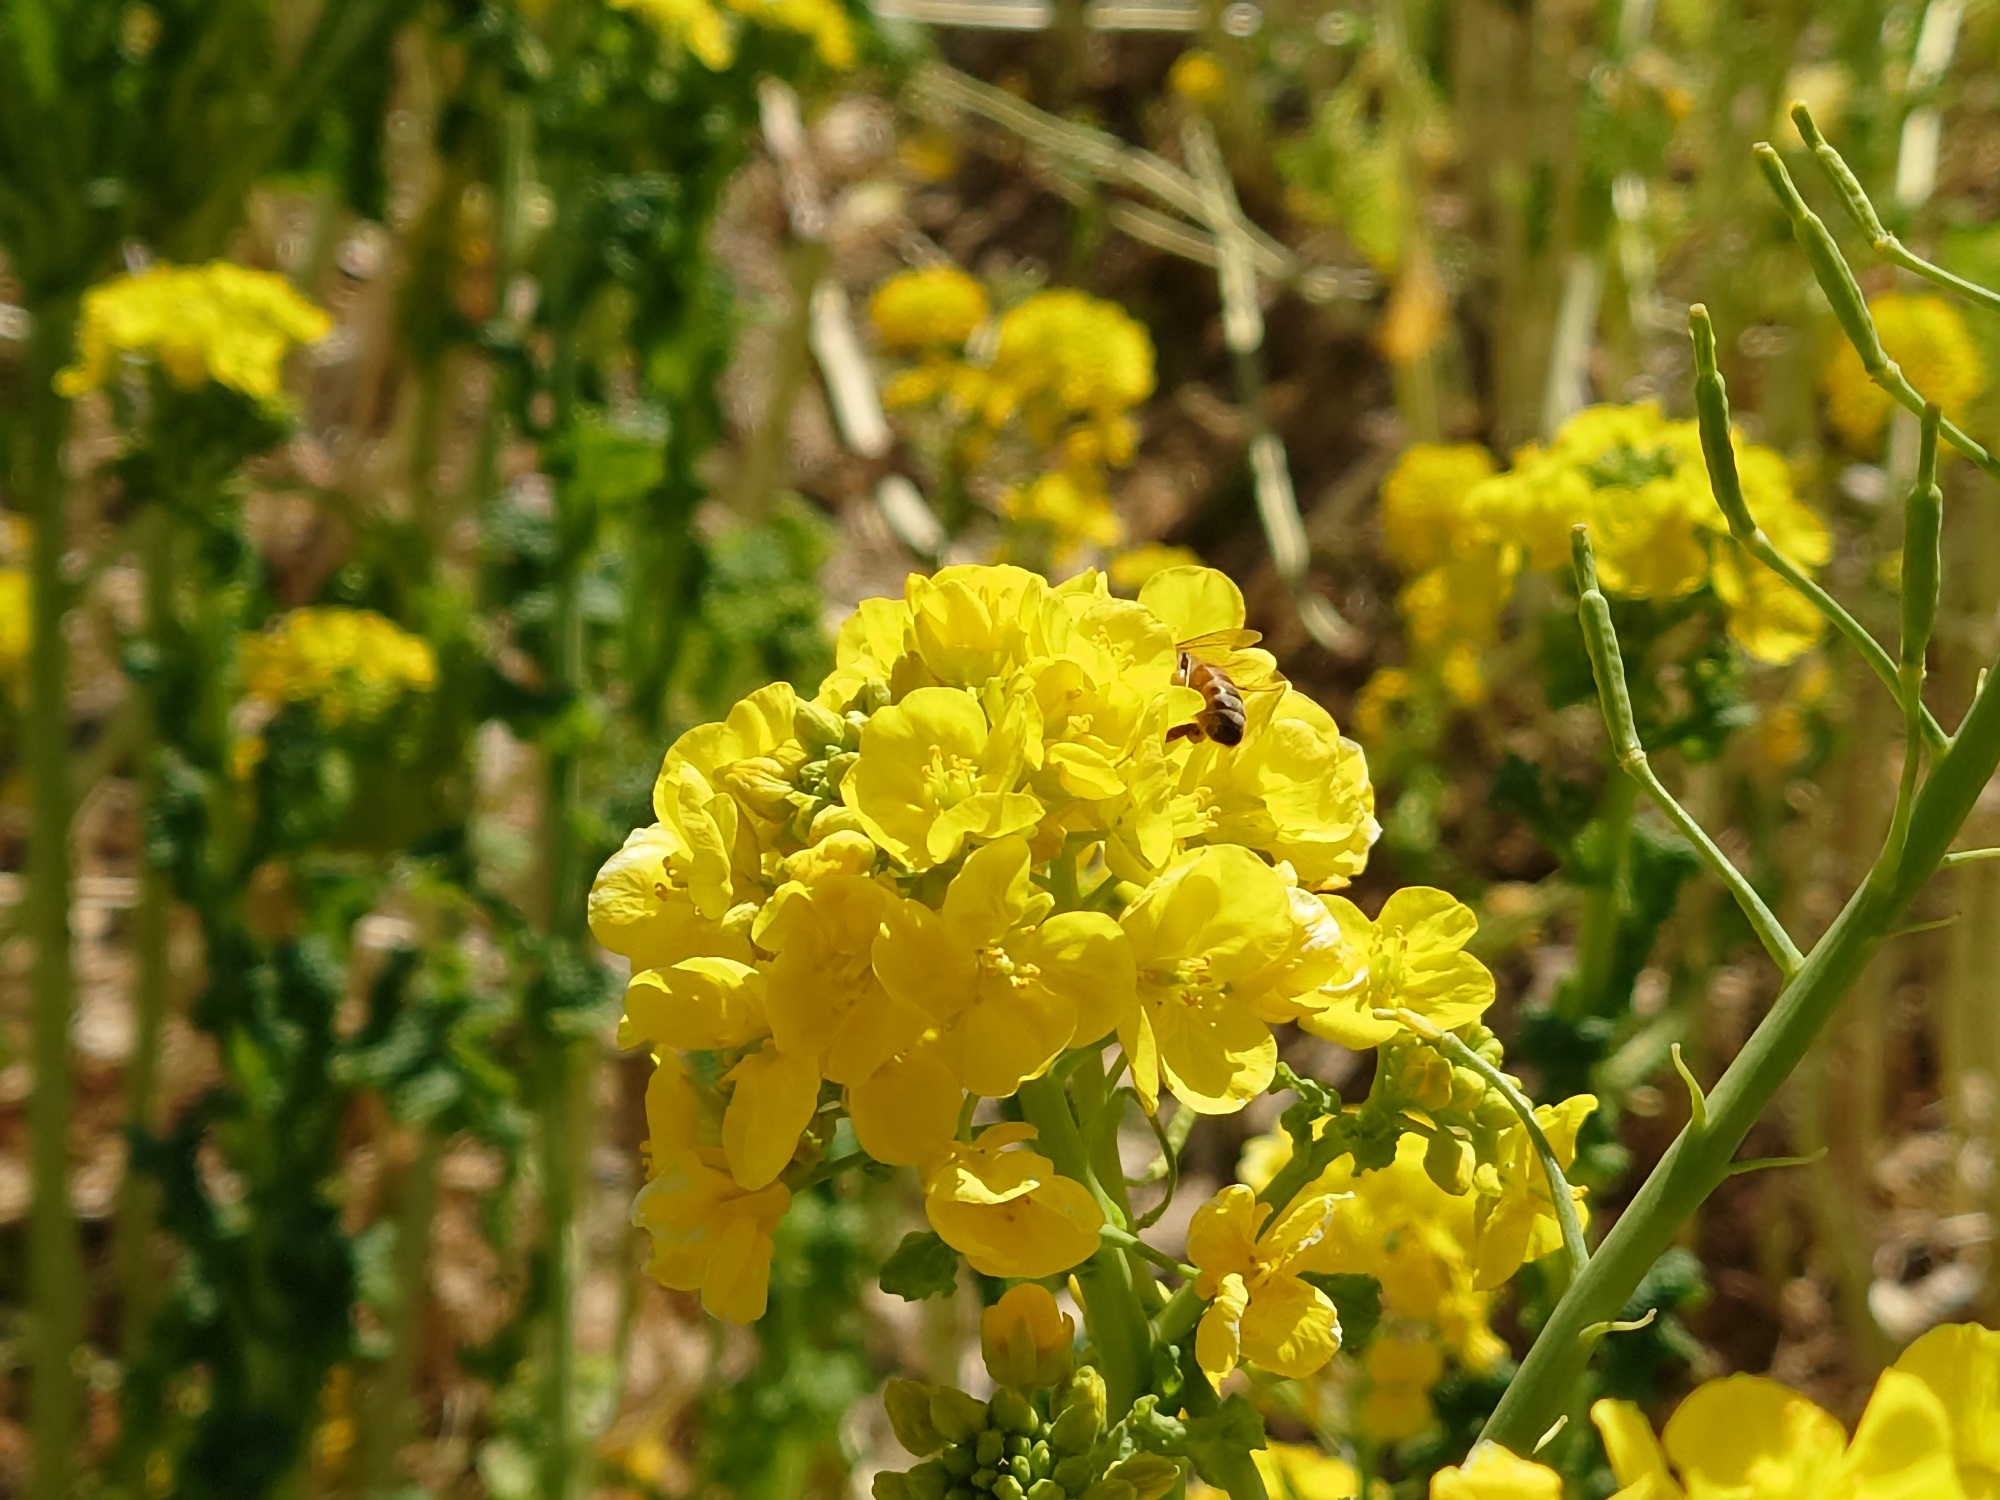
(1013,1412)
(820,730)
(1150,1474)
(982,1479)
(871,695)
(909,1406)
(834,818)
(956,1415)
(760,784)
(958,1461)
(1467,1090)
(989,1446)
(1041,1462)
(1007,1487)
(1047,1489)
(1081,1417)
(1426,1079)
(928,1481)
(1027,1340)
(1448,1161)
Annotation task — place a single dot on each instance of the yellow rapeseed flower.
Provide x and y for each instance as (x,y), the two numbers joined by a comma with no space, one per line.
(1197,77)
(1924,334)
(1423,499)
(707,30)
(221,322)
(1515,1221)
(1007,1211)
(927,308)
(1259,1307)
(349,664)
(1416,961)
(1490,1472)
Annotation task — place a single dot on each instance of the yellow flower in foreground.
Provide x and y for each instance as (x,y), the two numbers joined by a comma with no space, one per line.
(1960,1363)
(1008,1212)
(347,663)
(1516,1218)
(220,322)
(1924,334)
(925,308)
(1260,1309)
(1025,1339)
(1490,1472)
(710,1235)
(1416,961)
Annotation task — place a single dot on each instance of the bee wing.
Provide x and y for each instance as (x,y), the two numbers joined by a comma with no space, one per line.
(1222,640)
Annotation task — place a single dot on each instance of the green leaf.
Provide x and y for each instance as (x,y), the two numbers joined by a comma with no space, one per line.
(922,1266)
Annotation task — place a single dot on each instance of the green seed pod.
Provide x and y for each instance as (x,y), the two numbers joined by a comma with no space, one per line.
(909,1406)
(958,1461)
(1149,1474)
(1047,1489)
(1829,266)
(1448,1161)
(958,1416)
(1013,1412)
(1007,1488)
(820,730)
(989,1446)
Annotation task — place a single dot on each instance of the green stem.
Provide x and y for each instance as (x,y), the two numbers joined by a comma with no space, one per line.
(138,1194)
(1111,1307)
(391,1394)
(1696,1164)
(56,1322)
(1604,908)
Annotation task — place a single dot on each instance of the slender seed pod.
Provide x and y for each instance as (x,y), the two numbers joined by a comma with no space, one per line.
(1843,179)
(1923,520)
(1829,266)
(1607,662)
(1711,409)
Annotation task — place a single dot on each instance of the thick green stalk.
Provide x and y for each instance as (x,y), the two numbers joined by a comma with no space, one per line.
(1698,1161)
(55,1282)
(1111,1307)
(391,1393)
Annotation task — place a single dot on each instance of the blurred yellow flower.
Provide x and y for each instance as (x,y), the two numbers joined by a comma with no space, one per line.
(929,307)
(1077,514)
(710,35)
(349,664)
(1924,334)
(221,322)
(1401,1372)
(1197,77)
(1007,1211)
(1515,1221)
(1259,1308)
(1130,569)
(16,621)
(1423,500)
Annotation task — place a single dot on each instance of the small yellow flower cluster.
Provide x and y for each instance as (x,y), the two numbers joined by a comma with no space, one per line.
(974,848)
(1463,532)
(1067,369)
(219,322)
(1924,334)
(707,30)
(349,664)
(1932,1428)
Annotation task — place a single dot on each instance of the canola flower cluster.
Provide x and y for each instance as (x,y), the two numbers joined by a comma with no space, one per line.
(1931,1429)
(710,31)
(1463,530)
(219,322)
(1064,369)
(349,665)
(979,845)
(1924,334)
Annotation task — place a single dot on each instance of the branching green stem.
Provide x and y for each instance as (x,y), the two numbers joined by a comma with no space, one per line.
(1606,661)
(1560,1195)
(1862,211)
(1711,400)
(1126,1240)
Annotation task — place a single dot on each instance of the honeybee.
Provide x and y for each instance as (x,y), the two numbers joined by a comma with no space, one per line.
(1218,666)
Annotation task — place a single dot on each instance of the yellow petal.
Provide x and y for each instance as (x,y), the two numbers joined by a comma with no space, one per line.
(1630,1445)
(1902,1448)
(1222,1234)
(1960,1362)
(1753,1435)
(1492,1473)
(775,1097)
(906,1111)
(1217,1340)
(1290,1327)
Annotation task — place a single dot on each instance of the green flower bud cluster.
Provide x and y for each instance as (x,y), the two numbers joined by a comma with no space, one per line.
(799,786)
(1021,1445)
(1467,1116)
